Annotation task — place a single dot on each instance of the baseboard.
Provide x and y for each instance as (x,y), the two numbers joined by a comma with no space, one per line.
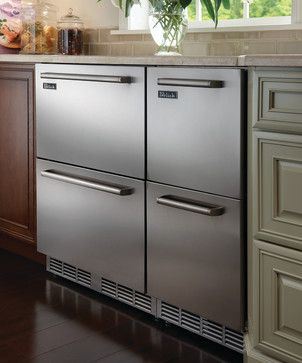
(22,248)
(252,355)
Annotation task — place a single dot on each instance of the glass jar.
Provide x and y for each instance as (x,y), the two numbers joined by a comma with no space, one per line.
(70,34)
(39,28)
(168,25)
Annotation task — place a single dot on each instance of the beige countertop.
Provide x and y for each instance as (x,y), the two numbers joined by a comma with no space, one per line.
(294,60)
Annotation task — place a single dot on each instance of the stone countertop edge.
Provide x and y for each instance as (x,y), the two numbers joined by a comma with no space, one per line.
(283,60)
(231,61)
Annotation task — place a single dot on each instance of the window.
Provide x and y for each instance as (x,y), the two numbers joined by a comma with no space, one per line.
(243,13)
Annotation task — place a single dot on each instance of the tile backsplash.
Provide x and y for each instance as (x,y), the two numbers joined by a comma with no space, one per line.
(101,42)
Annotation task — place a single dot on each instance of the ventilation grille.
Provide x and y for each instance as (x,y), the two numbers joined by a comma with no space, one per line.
(108,288)
(170,313)
(55,266)
(234,340)
(125,294)
(143,302)
(212,330)
(190,321)
(201,326)
(84,277)
(165,311)
(128,296)
(69,272)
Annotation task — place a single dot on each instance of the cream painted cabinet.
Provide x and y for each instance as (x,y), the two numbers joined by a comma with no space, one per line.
(278,95)
(275,216)
(278,188)
(280,301)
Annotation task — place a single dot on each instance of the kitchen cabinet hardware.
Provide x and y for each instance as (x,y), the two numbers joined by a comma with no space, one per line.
(87,183)
(87,77)
(191,205)
(182,82)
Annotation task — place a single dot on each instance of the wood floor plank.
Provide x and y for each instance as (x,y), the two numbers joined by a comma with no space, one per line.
(50,320)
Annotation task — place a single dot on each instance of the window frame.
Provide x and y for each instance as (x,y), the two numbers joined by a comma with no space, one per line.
(285,22)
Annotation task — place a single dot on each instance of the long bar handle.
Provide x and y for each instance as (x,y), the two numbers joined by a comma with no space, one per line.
(87,183)
(87,77)
(191,205)
(182,82)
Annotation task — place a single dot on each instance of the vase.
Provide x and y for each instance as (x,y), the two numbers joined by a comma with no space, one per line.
(168,25)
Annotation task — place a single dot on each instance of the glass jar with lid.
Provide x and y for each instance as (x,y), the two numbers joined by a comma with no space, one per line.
(39,27)
(70,34)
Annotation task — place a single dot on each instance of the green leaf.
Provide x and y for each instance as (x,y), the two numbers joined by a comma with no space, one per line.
(226,4)
(208,4)
(185,3)
(217,7)
(128,7)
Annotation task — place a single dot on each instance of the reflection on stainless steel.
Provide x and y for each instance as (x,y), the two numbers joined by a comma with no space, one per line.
(194,141)
(195,191)
(98,125)
(194,260)
(91,131)
(95,231)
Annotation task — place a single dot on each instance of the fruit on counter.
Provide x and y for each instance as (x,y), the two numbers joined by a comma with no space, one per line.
(11,30)
(39,38)
(10,33)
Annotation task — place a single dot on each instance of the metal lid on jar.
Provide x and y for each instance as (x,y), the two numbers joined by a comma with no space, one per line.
(70,21)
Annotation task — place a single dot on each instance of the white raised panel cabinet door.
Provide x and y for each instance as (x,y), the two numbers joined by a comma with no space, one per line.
(280,301)
(278,184)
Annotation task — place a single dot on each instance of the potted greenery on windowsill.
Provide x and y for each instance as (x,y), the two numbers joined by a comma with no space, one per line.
(168,21)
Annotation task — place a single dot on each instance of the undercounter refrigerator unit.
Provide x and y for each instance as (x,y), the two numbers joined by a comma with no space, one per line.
(141,189)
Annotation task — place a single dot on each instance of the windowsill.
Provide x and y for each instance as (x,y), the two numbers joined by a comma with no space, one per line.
(209,29)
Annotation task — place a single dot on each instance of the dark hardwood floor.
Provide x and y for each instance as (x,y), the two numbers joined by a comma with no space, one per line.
(48,319)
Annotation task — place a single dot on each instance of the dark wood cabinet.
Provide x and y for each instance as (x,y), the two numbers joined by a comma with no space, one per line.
(17,159)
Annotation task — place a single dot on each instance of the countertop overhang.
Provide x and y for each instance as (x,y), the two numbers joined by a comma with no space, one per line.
(276,60)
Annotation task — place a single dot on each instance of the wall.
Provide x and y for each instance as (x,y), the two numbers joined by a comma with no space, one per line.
(101,42)
(101,18)
(94,14)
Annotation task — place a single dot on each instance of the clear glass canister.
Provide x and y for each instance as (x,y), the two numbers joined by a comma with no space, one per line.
(70,34)
(39,28)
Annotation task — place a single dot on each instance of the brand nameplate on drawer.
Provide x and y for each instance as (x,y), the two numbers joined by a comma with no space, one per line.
(168,94)
(52,86)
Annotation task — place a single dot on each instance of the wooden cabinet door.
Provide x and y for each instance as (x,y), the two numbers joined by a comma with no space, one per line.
(277,96)
(277,186)
(280,301)
(17,181)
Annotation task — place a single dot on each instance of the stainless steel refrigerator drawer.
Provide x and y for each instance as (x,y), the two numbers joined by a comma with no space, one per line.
(195,128)
(92,116)
(92,220)
(194,252)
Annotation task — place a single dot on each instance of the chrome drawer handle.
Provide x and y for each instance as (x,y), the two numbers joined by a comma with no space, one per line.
(191,205)
(87,183)
(87,77)
(181,82)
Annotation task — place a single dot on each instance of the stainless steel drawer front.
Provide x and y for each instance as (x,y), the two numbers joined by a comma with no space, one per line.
(194,137)
(92,116)
(194,261)
(92,220)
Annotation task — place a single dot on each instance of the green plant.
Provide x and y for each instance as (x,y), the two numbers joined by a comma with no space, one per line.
(212,6)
